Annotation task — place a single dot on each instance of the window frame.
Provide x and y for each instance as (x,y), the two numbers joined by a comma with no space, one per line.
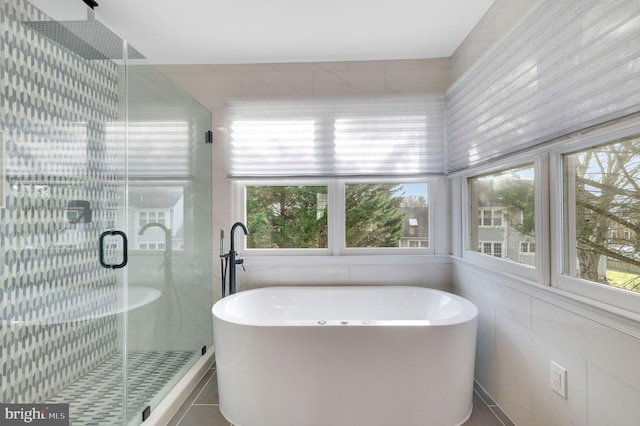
(336,215)
(535,274)
(607,297)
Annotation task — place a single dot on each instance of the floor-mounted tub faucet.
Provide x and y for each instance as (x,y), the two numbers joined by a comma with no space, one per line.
(231,259)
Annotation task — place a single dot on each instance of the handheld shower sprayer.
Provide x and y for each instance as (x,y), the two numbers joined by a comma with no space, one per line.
(223,262)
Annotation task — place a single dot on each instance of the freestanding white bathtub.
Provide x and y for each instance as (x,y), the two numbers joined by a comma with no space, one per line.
(330,356)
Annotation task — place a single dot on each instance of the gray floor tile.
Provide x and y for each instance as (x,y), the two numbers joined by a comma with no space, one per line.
(482,414)
(506,421)
(483,394)
(202,408)
(209,394)
(191,398)
(199,415)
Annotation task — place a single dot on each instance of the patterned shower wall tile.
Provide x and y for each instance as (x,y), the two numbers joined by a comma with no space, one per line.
(54,108)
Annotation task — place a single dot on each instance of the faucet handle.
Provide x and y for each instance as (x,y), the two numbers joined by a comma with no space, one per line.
(241,263)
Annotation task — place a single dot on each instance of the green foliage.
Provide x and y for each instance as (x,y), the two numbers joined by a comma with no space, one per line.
(517,195)
(286,217)
(296,216)
(373,216)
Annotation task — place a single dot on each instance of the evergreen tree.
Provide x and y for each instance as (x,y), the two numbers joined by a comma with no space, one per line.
(373,216)
(286,217)
(296,216)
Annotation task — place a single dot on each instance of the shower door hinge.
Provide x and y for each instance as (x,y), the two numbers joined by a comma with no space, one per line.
(208,136)
(204,350)
(146,413)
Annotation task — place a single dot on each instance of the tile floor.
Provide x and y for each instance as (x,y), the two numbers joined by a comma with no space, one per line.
(95,398)
(201,407)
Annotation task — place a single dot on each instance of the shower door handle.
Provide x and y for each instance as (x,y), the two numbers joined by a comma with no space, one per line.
(125,258)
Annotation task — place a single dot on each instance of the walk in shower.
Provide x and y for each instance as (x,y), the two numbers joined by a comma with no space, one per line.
(105,218)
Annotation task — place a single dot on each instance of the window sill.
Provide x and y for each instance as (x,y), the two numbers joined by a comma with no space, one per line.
(619,319)
(397,259)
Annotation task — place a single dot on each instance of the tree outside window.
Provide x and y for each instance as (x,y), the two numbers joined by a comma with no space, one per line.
(602,214)
(376,215)
(284,217)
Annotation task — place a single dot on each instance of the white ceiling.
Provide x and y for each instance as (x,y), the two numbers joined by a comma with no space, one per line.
(258,31)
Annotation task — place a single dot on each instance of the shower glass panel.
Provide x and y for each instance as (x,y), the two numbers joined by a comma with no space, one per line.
(169,215)
(96,148)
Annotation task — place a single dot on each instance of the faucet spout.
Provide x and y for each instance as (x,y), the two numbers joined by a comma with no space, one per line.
(233,230)
(233,261)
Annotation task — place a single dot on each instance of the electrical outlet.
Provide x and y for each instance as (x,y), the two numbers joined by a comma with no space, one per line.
(559,379)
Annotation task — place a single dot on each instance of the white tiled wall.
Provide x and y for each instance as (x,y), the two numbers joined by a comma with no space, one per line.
(519,334)
(497,22)
(432,272)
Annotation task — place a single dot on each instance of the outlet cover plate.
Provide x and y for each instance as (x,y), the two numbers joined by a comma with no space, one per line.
(558,379)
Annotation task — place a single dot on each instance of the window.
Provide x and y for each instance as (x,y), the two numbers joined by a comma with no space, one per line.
(492,249)
(527,247)
(146,217)
(386,215)
(504,205)
(336,176)
(287,216)
(489,217)
(602,214)
(299,218)
(570,220)
(157,222)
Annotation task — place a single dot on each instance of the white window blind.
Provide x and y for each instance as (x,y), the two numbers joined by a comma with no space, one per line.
(156,149)
(385,136)
(569,65)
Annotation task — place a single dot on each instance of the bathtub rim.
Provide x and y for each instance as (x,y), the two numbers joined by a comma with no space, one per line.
(137,297)
(468,313)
